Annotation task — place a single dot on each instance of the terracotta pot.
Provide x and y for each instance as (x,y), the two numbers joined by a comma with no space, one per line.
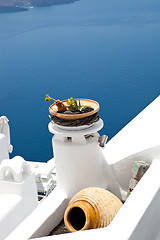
(91,208)
(87,102)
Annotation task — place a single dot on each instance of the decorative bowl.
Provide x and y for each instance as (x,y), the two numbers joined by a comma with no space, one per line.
(87,102)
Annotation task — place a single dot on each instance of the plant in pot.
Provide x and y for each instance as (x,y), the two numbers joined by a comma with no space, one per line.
(72,108)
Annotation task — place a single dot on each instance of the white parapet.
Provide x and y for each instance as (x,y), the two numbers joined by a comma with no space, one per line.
(138,218)
(44,218)
(5,130)
(138,135)
(3,147)
(18,195)
(138,141)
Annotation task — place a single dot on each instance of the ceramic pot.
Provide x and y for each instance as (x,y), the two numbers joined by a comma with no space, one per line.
(86,102)
(91,208)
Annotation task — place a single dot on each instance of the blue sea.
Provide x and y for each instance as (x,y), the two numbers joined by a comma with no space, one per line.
(106,50)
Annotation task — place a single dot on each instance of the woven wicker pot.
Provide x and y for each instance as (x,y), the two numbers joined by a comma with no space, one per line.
(91,208)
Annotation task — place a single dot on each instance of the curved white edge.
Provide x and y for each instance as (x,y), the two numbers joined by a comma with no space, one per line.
(137,219)
(3,147)
(94,128)
(5,129)
(44,218)
(138,141)
(139,134)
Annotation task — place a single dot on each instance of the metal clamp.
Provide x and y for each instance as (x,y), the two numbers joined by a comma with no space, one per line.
(102,140)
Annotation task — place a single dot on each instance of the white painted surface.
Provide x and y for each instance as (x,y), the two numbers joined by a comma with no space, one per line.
(43,219)
(42,168)
(80,162)
(3,147)
(138,140)
(18,196)
(138,218)
(17,167)
(4,129)
(11,201)
(45,176)
(53,128)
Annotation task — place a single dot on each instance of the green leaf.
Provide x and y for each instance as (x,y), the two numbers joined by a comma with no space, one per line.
(83,108)
(73,105)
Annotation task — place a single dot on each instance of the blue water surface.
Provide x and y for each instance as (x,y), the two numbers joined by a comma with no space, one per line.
(106,50)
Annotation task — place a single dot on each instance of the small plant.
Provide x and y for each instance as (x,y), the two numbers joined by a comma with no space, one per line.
(61,107)
(48,98)
(72,104)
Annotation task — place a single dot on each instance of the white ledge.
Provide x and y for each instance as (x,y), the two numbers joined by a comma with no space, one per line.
(137,219)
